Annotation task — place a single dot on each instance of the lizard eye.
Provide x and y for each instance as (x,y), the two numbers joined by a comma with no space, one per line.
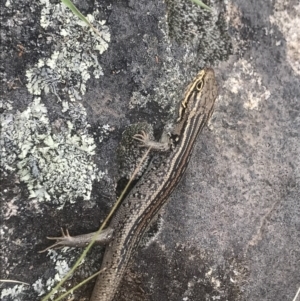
(199,85)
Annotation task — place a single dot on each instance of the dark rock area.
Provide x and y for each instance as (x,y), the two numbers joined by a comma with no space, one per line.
(231,229)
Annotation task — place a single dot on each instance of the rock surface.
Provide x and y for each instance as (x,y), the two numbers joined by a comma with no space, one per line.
(231,229)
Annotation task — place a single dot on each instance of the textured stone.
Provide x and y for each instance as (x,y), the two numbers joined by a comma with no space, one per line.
(231,228)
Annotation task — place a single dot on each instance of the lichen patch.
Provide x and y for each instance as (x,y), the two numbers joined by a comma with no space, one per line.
(74,57)
(56,162)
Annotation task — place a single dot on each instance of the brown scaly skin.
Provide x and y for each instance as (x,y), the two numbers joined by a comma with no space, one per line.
(157,183)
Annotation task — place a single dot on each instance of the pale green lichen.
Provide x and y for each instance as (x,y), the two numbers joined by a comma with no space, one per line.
(55,159)
(104,131)
(75,52)
(56,162)
(38,286)
(42,286)
(15,292)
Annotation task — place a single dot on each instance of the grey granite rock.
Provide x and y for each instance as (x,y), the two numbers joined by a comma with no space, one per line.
(231,229)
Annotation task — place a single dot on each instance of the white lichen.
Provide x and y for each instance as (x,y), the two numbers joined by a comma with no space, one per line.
(76,46)
(9,209)
(287,21)
(247,77)
(14,292)
(104,131)
(56,162)
(38,286)
(41,286)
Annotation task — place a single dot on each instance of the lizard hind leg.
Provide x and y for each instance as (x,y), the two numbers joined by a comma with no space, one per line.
(66,240)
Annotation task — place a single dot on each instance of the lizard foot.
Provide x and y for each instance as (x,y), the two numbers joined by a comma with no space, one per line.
(66,240)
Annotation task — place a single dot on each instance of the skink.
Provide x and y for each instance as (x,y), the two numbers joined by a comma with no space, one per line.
(151,192)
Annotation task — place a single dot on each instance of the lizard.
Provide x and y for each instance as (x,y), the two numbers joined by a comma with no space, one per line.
(141,205)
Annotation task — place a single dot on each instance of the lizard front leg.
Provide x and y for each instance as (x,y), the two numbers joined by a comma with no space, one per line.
(163,145)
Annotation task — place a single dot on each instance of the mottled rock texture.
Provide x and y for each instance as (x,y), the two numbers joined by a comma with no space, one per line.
(231,229)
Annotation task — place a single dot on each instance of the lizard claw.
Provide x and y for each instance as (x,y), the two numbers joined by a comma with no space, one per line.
(66,240)
(142,137)
(60,241)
